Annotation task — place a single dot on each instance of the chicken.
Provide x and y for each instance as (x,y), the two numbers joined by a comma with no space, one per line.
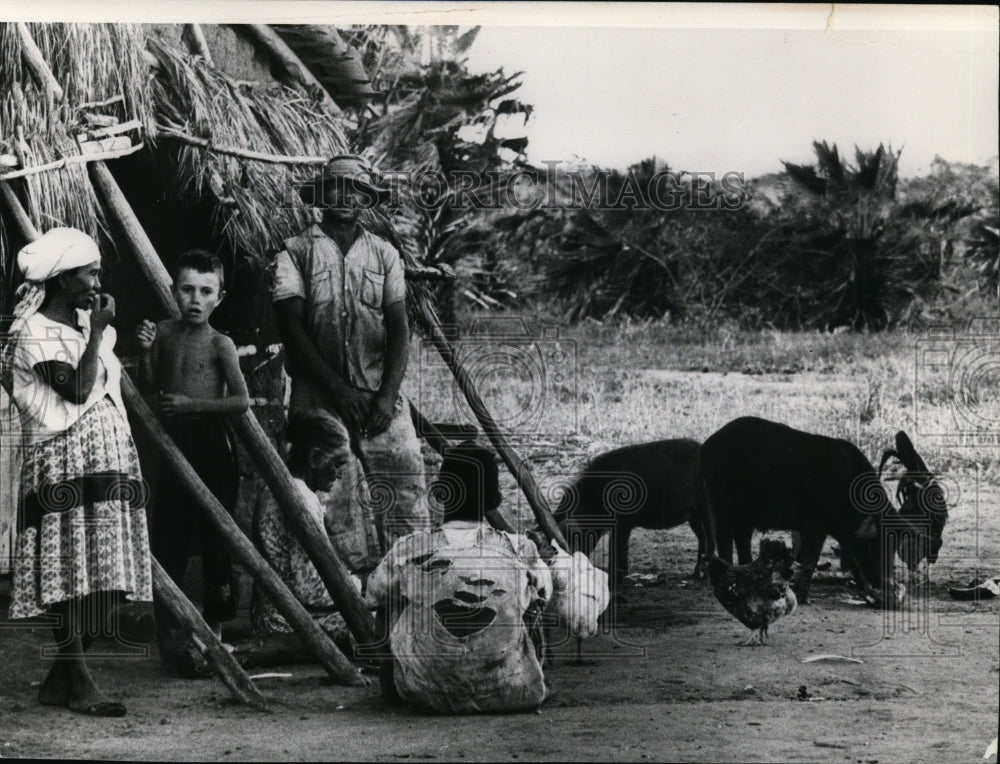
(580,594)
(758,594)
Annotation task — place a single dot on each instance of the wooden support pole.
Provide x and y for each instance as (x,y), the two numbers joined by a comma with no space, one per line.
(230,671)
(122,214)
(332,571)
(36,63)
(522,474)
(16,210)
(271,42)
(225,665)
(335,575)
(198,43)
(298,618)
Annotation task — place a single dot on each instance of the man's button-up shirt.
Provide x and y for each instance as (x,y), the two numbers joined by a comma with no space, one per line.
(345,295)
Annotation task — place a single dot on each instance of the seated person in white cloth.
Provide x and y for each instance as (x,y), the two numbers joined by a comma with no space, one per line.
(81,535)
(458,604)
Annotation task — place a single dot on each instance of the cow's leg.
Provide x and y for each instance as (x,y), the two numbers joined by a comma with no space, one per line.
(700,532)
(724,540)
(622,532)
(743,550)
(811,547)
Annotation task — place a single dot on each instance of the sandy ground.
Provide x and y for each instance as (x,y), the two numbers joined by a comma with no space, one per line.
(667,683)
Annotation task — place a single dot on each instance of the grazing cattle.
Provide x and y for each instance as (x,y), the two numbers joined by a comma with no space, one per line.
(648,485)
(767,476)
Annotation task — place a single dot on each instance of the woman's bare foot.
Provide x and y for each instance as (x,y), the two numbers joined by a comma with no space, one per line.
(86,698)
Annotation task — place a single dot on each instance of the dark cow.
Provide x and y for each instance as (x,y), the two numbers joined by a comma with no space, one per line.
(767,476)
(648,485)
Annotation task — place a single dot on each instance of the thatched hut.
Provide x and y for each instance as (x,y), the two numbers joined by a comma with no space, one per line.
(159,138)
(202,132)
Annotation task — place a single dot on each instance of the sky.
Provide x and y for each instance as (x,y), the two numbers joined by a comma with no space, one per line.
(704,87)
(717,99)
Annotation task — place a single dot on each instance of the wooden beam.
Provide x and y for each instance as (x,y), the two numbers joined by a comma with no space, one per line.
(197,42)
(341,669)
(234,151)
(335,575)
(16,210)
(297,72)
(36,63)
(230,671)
(82,158)
(122,214)
(225,665)
(518,468)
(332,571)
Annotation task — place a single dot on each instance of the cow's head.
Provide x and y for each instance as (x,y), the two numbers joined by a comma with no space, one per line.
(921,501)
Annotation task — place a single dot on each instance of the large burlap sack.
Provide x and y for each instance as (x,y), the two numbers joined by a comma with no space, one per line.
(459,643)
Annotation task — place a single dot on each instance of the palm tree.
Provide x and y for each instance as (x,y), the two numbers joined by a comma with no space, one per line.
(853,204)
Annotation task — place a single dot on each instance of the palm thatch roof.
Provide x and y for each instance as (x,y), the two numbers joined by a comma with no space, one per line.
(103,80)
(256,205)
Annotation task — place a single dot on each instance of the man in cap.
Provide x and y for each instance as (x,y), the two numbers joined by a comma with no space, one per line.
(339,294)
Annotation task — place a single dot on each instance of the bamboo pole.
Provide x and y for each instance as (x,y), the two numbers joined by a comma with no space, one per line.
(298,618)
(335,575)
(230,672)
(36,63)
(149,261)
(522,474)
(332,571)
(268,39)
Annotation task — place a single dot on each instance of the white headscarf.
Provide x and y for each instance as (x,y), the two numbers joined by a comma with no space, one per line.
(54,252)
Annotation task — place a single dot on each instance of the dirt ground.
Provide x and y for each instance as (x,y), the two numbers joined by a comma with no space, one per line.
(667,683)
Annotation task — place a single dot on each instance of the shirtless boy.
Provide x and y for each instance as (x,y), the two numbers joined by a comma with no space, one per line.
(196,373)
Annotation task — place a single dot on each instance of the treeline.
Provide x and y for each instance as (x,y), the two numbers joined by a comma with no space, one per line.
(838,243)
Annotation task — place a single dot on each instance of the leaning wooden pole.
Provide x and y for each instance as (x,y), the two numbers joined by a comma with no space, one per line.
(36,63)
(149,262)
(297,616)
(331,569)
(229,671)
(522,474)
(197,42)
(298,72)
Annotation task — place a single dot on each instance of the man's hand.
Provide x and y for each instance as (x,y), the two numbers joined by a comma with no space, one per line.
(172,404)
(353,407)
(382,410)
(145,332)
(103,312)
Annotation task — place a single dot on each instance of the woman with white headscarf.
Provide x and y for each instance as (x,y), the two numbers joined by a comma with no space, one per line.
(82,538)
